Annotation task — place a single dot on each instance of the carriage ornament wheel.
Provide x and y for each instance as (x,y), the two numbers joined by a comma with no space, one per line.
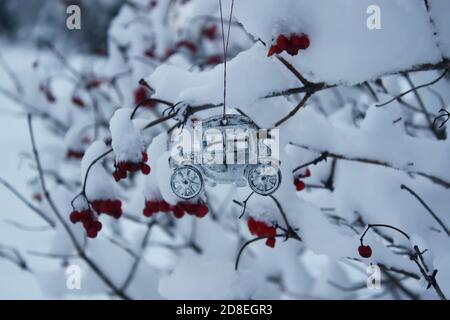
(189,176)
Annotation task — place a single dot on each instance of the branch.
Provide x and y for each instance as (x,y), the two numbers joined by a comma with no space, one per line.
(432,178)
(413,89)
(39,212)
(438,220)
(295,110)
(72,237)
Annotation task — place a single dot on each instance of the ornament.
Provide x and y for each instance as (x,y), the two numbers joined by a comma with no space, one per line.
(229,150)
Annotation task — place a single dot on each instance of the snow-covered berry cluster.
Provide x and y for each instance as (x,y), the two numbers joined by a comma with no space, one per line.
(89,215)
(262,229)
(89,221)
(179,210)
(122,168)
(291,45)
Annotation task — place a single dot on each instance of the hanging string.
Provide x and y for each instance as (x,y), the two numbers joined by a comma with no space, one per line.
(225,52)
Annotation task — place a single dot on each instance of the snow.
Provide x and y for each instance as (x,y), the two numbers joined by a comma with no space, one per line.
(192,258)
(126,140)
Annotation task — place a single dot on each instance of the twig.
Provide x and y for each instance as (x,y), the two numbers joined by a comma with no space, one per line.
(72,237)
(39,212)
(413,89)
(294,111)
(434,215)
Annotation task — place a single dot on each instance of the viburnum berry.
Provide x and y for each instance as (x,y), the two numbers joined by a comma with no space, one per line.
(89,221)
(179,210)
(112,208)
(192,47)
(78,102)
(291,45)
(298,182)
(123,167)
(210,32)
(141,94)
(261,229)
(213,60)
(73,154)
(365,251)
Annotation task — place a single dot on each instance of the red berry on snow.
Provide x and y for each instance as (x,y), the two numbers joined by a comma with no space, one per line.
(92,233)
(365,251)
(282,42)
(271,232)
(178,212)
(210,32)
(97,225)
(301,42)
(163,206)
(145,169)
(202,210)
(144,157)
(78,102)
(270,242)
(251,223)
(299,184)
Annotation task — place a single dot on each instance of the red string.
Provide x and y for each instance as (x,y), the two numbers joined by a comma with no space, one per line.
(225,52)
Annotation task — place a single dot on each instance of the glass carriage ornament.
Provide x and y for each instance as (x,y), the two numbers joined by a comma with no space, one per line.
(227,149)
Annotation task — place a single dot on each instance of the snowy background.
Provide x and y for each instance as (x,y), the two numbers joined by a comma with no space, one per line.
(81,86)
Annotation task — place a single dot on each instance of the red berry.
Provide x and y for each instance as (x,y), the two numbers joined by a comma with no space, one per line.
(75,216)
(270,242)
(92,233)
(78,102)
(272,51)
(97,225)
(251,223)
(282,42)
(292,49)
(178,212)
(210,32)
(188,45)
(365,251)
(201,211)
(163,206)
(261,229)
(145,169)
(307,174)
(123,166)
(148,212)
(299,184)
(303,42)
(144,157)
(85,215)
(117,175)
(271,232)
(140,94)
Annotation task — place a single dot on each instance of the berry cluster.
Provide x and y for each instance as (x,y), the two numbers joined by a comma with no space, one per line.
(365,251)
(112,208)
(154,206)
(89,220)
(291,45)
(261,229)
(123,167)
(299,184)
